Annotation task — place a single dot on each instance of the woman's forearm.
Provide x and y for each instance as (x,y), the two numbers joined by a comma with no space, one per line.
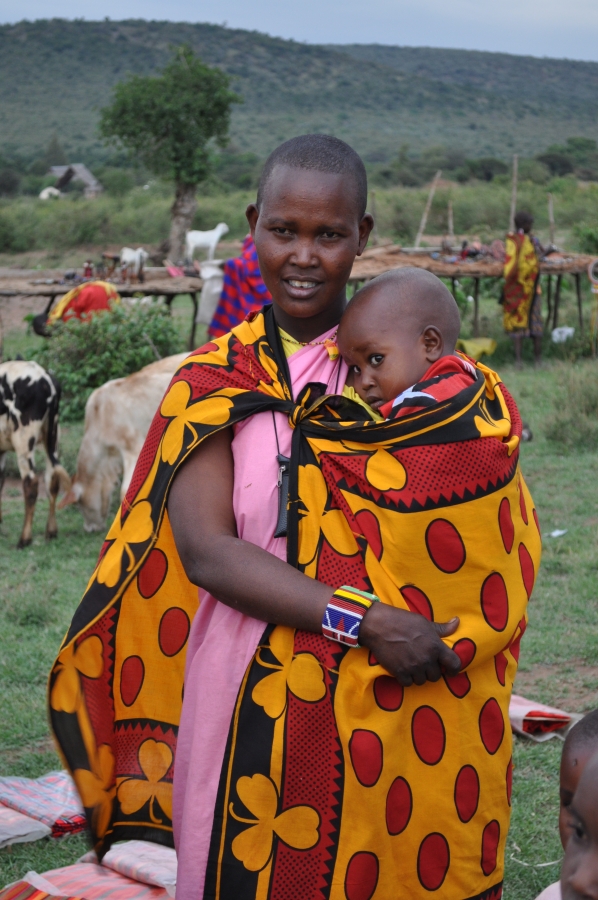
(258,584)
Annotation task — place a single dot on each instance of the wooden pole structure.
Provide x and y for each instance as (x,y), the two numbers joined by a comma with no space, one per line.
(422,224)
(476,308)
(451,224)
(578,291)
(549,299)
(557,300)
(551,217)
(375,235)
(514,194)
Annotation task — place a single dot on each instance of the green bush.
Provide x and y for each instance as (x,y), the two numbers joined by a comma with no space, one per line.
(574,423)
(587,238)
(84,354)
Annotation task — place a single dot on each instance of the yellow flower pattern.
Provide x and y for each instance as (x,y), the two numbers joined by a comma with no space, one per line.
(86,659)
(155,759)
(297,826)
(303,674)
(214,410)
(97,789)
(315,520)
(136,529)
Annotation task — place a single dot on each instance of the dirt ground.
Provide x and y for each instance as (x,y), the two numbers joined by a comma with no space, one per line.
(572,686)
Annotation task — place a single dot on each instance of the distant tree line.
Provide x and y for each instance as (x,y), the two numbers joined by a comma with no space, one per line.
(232,169)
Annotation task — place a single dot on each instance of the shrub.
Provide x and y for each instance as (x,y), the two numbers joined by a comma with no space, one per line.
(574,423)
(587,237)
(84,354)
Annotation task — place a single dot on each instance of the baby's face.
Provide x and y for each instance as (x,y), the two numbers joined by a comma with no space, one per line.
(573,762)
(579,876)
(382,362)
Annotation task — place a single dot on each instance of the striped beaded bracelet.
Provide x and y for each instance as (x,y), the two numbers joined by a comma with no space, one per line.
(342,617)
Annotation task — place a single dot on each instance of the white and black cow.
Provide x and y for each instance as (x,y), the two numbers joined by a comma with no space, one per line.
(29,399)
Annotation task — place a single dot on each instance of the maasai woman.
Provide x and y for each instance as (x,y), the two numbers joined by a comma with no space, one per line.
(522,313)
(330,747)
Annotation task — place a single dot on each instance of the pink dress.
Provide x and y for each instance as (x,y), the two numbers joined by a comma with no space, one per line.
(222,640)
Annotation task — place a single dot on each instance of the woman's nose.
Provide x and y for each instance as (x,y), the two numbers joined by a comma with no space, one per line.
(304,254)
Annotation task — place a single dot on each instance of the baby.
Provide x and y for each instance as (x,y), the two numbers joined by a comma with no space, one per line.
(398,338)
(580,746)
(579,876)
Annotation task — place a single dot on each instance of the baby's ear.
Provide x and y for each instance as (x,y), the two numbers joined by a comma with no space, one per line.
(433,343)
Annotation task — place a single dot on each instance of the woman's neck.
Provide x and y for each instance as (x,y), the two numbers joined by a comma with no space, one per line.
(305,330)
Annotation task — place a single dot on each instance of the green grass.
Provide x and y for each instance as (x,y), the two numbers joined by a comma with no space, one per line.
(41,586)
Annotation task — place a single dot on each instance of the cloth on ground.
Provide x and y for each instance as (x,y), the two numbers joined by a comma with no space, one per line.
(31,887)
(51,799)
(538,721)
(24,890)
(243,291)
(443,380)
(94,882)
(141,860)
(15,828)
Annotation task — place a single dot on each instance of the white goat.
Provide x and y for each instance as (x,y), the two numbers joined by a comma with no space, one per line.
(133,261)
(204,240)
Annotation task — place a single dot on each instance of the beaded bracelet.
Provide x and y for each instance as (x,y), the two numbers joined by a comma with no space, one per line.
(342,617)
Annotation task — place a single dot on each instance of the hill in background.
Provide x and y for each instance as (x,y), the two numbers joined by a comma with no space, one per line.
(56,74)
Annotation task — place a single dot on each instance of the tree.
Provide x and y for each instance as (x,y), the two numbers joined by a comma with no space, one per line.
(168,122)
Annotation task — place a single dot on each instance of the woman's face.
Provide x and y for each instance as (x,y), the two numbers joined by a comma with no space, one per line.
(307,234)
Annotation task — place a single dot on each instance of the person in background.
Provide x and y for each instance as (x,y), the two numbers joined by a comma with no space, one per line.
(522,313)
(243,292)
(581,744)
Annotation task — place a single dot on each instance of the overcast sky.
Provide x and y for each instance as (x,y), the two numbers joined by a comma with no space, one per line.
(538,27)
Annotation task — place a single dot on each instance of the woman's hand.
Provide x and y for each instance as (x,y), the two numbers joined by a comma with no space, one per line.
(407,645)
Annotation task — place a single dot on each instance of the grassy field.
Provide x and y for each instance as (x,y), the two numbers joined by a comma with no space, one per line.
(41,586)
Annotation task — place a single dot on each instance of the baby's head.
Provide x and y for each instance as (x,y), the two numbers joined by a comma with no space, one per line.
(394,329)
(580,746)
(579,875)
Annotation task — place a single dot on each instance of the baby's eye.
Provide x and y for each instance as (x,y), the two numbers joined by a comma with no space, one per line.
(356,369)
(376,359)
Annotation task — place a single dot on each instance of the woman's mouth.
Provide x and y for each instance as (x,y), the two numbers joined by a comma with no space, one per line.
(301,288)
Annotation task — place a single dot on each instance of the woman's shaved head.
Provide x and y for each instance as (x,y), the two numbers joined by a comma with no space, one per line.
(322,153)
(409,298)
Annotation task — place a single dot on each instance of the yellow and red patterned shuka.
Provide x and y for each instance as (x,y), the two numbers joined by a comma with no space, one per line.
(520,273)
(337,782)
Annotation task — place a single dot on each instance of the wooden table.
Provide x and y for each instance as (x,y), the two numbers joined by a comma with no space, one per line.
(378,260)
(169,288)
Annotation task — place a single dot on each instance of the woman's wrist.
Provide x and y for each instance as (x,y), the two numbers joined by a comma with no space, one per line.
(344,614)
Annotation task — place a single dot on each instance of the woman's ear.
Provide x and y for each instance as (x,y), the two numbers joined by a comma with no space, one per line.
(433,343)
(365,227)
(252,214)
